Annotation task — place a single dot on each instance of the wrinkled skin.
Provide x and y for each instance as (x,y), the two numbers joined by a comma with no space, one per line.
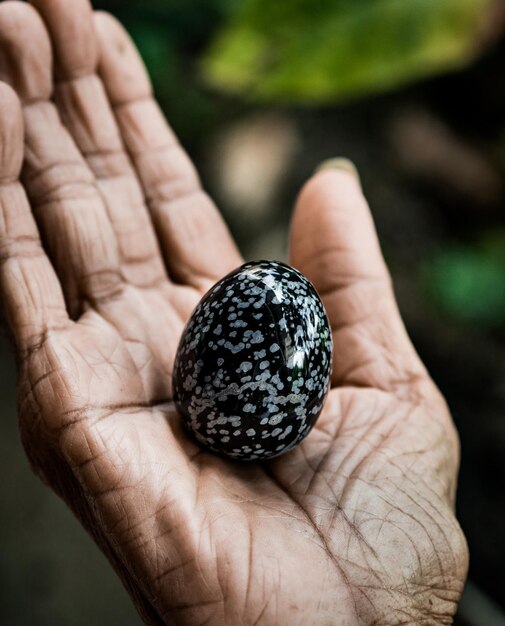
(355,526)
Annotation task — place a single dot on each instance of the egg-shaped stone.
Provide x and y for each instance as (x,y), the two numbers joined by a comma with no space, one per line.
(253,366)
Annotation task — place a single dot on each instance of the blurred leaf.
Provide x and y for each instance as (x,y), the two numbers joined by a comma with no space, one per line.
(326,50)
(468,283)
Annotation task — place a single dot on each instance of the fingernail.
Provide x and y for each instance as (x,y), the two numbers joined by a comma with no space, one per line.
(339,163)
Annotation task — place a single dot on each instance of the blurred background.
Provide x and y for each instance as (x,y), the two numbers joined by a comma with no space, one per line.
(259,93)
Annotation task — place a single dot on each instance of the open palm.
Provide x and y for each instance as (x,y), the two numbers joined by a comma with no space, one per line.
(356,525)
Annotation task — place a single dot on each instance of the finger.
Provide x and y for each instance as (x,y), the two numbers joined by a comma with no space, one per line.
(85,111)
(333,242)
(197,246)
(65,200)
(32,296)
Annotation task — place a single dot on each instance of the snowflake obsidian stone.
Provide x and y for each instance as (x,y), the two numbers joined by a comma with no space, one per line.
(253,366)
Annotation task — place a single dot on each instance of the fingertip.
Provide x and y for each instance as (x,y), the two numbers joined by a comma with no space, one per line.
(111,35)
(11,134)
(339,164)
(329,192)
(73,36)
(120,65)
(106,23)
(25,51)
(332,177)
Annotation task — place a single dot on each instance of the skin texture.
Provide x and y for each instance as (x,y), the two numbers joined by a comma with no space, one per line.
(107,242)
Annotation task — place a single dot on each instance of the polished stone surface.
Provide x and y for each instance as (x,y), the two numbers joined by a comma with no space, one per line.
(253,365)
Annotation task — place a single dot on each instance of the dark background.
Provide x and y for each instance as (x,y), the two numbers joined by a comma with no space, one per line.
(429,141)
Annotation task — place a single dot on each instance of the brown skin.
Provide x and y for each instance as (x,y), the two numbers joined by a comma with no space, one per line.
(355,526)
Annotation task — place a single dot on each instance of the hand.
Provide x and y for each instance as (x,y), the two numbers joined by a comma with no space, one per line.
(356,525)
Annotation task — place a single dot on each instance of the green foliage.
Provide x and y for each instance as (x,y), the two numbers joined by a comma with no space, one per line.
(468,283)
(314,51)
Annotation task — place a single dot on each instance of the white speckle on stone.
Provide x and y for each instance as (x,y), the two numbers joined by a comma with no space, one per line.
(245,366)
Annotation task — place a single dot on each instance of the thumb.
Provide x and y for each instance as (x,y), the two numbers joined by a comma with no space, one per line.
(334,243)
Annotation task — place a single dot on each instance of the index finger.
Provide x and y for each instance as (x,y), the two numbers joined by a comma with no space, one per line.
(196,243)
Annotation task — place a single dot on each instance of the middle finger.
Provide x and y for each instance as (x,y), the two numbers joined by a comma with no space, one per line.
(85,111)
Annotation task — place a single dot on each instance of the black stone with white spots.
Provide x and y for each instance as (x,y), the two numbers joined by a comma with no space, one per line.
(253,366)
